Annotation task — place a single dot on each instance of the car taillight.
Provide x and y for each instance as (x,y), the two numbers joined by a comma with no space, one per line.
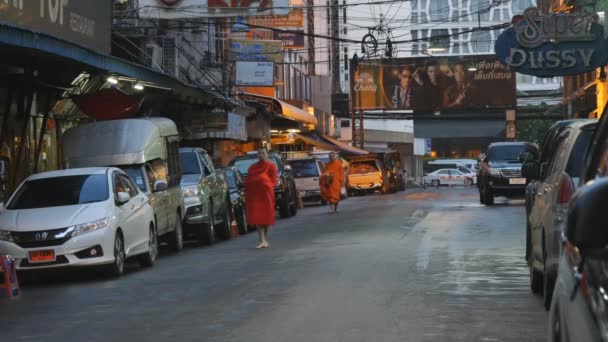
(566,190)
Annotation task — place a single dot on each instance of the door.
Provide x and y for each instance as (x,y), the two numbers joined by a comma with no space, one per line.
(136,235)
(164,214)
(543,203)
(210,180)
(125,213)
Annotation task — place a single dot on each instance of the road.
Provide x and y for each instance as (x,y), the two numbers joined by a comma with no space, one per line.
(420,265)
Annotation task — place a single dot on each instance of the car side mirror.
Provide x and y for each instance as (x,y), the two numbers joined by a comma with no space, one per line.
(122,198)
(160,186)
(531,170)
(288,168)
(587,217)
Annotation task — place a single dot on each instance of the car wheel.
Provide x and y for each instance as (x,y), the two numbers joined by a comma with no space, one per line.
(226,227)
(284,207)
(469,182)
(176,238)
(241,220)
(293,208)
(117,268)
(489,197)
(207,233)
(148,259)
(435,183)
(536,281)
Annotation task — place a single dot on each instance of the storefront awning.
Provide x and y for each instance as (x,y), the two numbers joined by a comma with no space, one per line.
(330,144)
(282,108)
(14,39)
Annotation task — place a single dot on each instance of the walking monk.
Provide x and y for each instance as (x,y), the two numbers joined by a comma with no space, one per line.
(331,182)
(259,195)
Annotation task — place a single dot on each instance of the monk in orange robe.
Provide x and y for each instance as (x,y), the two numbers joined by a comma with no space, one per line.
(259,196)
(332,180)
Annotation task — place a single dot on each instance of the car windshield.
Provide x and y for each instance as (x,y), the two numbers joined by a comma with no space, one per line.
(579,151)
(508,152)
(189,163)
(243,164)
(137,175)
(61,191)
(230,178)
(304,168)
(363,167)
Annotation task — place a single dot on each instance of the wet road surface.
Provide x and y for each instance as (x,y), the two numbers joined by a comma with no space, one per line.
(421,265)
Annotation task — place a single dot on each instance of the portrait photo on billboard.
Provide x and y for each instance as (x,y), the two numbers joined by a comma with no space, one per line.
(436,84)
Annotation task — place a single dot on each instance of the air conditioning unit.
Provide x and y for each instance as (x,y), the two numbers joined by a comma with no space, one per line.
(154,56)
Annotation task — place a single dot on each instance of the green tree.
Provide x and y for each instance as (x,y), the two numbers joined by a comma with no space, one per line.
(533,130)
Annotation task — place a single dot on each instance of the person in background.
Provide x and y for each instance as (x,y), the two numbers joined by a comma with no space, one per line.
(259,196)
(403,91)
(332,180)
(455,96)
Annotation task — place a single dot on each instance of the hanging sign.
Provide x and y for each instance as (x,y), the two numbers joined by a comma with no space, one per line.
(549,45)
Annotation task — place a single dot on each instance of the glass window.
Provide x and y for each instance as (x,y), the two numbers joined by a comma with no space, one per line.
(137,175)
(304,168)
(481,41)
(440,39)
(159,169)
(231,179)
(150,175)
(130,188)
(576,161)
(189,163)
(439,10)
(243,164)
(60,191)
(443,172)
(207,166)
(508,152)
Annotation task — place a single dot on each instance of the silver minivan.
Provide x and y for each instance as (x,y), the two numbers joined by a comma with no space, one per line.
(148,150)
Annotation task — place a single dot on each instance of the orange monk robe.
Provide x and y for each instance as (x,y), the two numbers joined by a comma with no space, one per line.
(331,193)
(259,193)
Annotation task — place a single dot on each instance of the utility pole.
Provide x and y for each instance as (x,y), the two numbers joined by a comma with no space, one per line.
(335,47)
(310,18)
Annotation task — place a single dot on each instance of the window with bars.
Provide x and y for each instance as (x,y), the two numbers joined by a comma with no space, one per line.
(419,46)
(420,11)
(460,10)
(439,11)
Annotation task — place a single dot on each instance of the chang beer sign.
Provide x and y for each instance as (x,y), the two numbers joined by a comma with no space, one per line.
(367,88)
(548,45)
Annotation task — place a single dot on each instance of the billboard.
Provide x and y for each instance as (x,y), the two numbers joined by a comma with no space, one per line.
(431,85)
(295,19)
(190,9)
(256,50)
(77,21)
(259,74)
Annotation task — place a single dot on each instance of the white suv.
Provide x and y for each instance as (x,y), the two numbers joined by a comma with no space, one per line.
(78,217)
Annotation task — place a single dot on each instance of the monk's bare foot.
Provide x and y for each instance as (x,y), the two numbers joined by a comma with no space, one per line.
(261,245)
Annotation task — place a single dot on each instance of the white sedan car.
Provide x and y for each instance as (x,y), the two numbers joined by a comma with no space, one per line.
(78,217)
(460,176)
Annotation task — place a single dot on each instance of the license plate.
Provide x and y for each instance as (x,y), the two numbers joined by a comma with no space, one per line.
(42,256)
(518,181)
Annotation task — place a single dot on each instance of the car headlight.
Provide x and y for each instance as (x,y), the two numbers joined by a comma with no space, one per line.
(5,236)
(190,190)
(89,227)
(495,172)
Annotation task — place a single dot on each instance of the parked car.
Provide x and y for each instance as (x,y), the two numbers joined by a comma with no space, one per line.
(500,171)
(323,156)
(547,153)
(306,173)
(557,181)
(434,165)
(578,308)
(236,184)
(78,217)
(147,150)
(461,176)
(286,196)
(206,197)
(367,174)
(579,298)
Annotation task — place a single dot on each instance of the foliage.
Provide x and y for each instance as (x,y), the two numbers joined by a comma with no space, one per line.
(533,130)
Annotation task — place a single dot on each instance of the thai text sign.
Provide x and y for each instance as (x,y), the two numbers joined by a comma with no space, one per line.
(548,45)
(291,40)
(256,50)
(161,9)
(87,23)
(295,19)
(429,85)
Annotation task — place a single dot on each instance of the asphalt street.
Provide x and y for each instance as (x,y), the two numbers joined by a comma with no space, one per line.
(420,265)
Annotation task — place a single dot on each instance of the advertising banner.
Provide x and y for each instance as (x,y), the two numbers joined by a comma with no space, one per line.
(549,45)
(180,9)
(80,22)
(259,74)
(430,85)
(256,50)
(295,19)
(291,40)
